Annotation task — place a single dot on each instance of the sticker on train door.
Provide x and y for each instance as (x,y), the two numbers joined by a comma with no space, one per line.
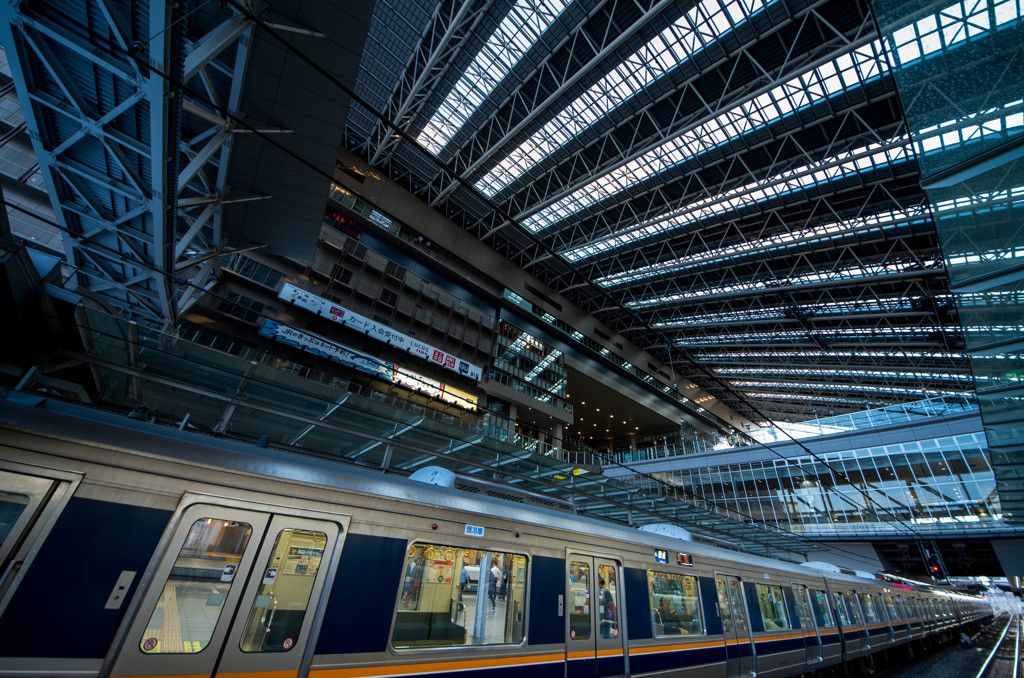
(228,573)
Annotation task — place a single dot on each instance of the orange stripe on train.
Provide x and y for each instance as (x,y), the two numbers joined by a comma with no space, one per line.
(432,667)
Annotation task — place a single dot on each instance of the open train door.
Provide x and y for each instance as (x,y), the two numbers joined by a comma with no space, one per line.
(595,637)
(238,590)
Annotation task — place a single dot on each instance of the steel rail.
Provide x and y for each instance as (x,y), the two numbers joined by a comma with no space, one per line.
(999,644)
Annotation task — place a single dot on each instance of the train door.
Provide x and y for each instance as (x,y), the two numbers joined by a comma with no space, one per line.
(237,591)
(595,636)
(29,503)
(811,633)
(739,648)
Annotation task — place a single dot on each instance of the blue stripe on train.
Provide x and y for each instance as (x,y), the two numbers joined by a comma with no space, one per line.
(766,647)
(547,670)
(662,661)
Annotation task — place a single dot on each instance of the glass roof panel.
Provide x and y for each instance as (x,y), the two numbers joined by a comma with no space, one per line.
(965,379)
(827,171)
(863,388)
(800,355)
(688,35)
(888,333)
(953,26)
(847,273)
(516,34)
(778,242)
(818,310)
(867,62)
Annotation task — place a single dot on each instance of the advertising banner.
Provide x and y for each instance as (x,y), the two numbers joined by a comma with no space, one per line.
(399,376)
(328,309)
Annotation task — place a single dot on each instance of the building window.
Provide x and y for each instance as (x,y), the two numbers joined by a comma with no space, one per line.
(251,269)
(243,308)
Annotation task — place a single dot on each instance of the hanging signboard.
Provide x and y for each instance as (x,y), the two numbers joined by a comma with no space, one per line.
(400,376)
(328,309)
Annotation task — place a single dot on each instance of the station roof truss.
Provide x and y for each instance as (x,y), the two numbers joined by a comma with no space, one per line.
(730,184)
(131,111)
(733,178)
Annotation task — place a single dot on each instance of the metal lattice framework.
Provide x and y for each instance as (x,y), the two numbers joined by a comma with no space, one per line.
(732,179)
(130,108)
(748,193)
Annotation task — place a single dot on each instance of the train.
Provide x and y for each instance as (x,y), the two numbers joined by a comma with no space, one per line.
(134,549)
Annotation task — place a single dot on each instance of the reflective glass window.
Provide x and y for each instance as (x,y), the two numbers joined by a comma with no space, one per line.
(822,613)
(451,595)
(723,605)
(841,611)
(867,603)
(607,591)
(675,604)
(193,595)
(11,507)
(283,596)
(736,597)
(579,600)
(772,606)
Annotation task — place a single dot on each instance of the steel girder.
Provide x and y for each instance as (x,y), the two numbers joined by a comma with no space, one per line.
(838,284)
(444,37)
(134,160)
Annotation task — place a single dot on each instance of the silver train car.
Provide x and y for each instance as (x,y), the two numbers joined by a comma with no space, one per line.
(134,550)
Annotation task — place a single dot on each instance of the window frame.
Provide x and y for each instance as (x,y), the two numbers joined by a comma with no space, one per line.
(697,602)
(767,589)
(462,551)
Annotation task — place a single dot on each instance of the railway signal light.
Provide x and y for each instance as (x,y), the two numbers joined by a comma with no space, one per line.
(934,567)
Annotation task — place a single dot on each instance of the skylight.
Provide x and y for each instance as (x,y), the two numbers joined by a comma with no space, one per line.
(513,38)
(848,273)
(1000,122)
(831,308)
(953,26)
(849,70)
(689,35)
(888,333)
(821,372)
(776,397)
(779,241)
(798,355)
(926,392)
(981,202)
(827,171)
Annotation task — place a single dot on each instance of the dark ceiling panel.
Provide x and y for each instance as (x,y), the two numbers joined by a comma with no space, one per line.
(283,91)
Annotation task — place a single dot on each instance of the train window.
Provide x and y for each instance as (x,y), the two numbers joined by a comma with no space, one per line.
(608,594)
(801,598)
(736,596)
(773,607)
(841,611)
(867,604)
(892,609)
(822,614)
(194,593)
(675,604)
(579,600)
(11,507)
(723,605)
(454,596)
(281,601)
(851,599)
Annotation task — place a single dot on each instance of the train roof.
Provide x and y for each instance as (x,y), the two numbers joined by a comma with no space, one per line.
(58,419)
